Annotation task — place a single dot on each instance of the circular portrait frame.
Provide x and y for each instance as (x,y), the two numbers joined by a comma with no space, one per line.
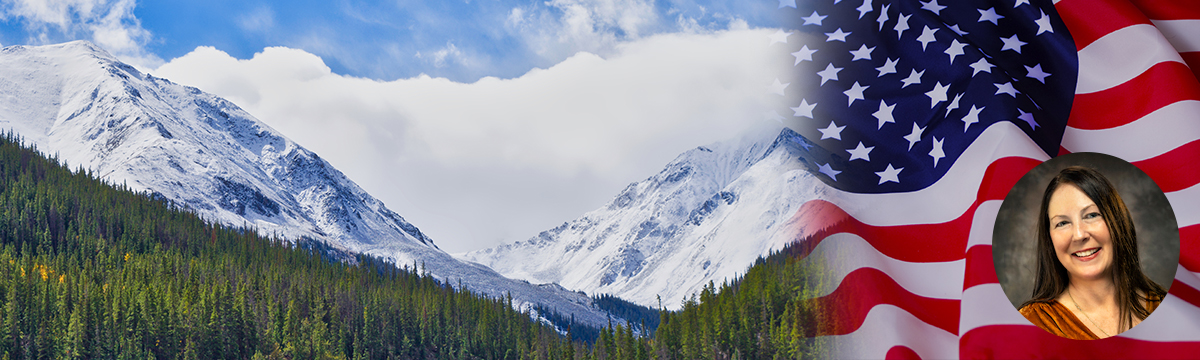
(1014,245)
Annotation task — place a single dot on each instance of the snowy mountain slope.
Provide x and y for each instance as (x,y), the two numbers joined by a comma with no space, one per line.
(77,101)
(705,217)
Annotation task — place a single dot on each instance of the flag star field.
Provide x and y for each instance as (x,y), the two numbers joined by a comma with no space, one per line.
(917,99)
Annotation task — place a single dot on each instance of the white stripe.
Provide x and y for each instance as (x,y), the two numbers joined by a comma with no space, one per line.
(983,224)
(948,198)
(1184,35)
(1187,277)
(986,304)
(843,253)
(887,326)
(1156,133)
(1174,320)
(1187,209)
(1120,56)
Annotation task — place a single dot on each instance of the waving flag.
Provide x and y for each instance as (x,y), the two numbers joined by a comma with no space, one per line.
(925,114)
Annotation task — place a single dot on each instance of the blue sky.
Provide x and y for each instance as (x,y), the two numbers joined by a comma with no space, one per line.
(482,122)
(385,40)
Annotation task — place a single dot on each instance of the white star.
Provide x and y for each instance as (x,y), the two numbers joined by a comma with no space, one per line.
(933,6)
(958,31)
(1019,2)
(863,53)
(780,36)
(955,49)
(953,104)
(971,118)
(938,94)
(829,171)
(901,25)
(864,9)
(1036,72)
(915,136)
(860,152)
(804,54)
(777,87)
(1012,43)
(833,131)
(855,93)
(883,16)
(1028,117)
(981,65)
(889,67)
(787,3)
(884,114)
(814,19)
(927,37)
(889,174)
(937,152)
(990,15)
(837,35)
(805,109)
(1043,24)
(830,73)
(1006,88)
(913,78)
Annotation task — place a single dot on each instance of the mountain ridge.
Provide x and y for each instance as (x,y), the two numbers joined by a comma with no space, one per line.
(704,218)
(208,155)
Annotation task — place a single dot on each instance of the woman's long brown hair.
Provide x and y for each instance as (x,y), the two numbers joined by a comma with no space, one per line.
(1133,287)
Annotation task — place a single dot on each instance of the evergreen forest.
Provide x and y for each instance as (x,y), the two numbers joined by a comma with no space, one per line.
(92,270)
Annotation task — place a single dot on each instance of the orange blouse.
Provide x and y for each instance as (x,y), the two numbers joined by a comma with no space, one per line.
(1058,320)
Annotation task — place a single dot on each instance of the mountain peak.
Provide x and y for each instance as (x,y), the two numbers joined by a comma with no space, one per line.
(208,155)
(705,217)
(201,151)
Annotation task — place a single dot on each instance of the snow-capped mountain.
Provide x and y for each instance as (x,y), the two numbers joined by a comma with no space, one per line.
(705,217)
(80,103)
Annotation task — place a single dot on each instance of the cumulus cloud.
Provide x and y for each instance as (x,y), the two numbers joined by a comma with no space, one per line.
(475,164)
(110,24)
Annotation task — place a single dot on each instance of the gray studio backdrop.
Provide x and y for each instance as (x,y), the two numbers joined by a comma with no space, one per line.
(1014,239)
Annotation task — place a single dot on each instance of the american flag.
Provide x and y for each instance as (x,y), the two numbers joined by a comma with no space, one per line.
(925,113)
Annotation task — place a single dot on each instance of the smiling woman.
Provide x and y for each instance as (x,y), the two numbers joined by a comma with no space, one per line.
(1088,279)
(1087,245)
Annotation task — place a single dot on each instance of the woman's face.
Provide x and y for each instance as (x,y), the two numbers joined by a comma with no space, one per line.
(1080,235)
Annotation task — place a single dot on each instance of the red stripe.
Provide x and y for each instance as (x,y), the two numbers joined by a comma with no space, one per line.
(1169,9)
(912,243)
(1176,169)
(846,308)
(1163,84)
(981,269)
(1193,61)
(1185,292)
(1030,342)
(1189,248)
(1089,20)
(901,353)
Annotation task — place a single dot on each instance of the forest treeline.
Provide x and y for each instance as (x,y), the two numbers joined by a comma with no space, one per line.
(91,270)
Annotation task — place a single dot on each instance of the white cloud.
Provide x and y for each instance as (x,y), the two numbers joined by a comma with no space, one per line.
(110,24)
(565,27)
(440,57)
(502,159)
